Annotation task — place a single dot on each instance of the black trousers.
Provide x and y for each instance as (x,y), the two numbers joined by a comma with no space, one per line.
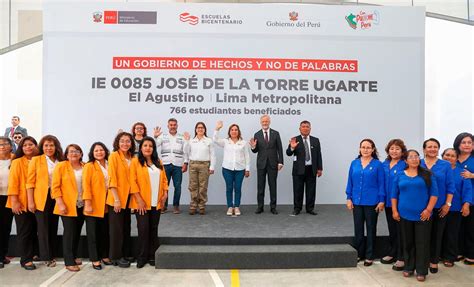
(365,215)
(272,184)
(6,218)
(119,231)
(394,236)
(97,237)
(71,235)
(26,236)
(147,225)
(469,234)
(47,224)
(450,248)
(437,232)
(307,180)
(416,245)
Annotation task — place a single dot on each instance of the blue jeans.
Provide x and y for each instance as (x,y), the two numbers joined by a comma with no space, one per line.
(233,182)
(175,173)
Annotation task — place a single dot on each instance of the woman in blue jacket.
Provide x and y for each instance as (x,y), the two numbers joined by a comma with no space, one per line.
(393,166)
(459,207)
(463,144)
(365,197)
(414,196)
(444,180)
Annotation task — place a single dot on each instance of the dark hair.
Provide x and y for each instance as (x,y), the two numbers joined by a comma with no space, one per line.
(18,133)
(17,117)
(91,151)
(305,122)
(399,143)
(58,150)
(139,124)
(239,135)
(74,146)
(374,154)
(423,172)
(458,140)
(448,149)
(173,120)
(154,155)
(7,139)
(205,128)
(131,150)
(19,151)
(431,140)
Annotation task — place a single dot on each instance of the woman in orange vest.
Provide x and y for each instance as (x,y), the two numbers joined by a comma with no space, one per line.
(38,186)
(66,189)
(6,215)
(149,188)
(117,198)
(95,182)
(18,202)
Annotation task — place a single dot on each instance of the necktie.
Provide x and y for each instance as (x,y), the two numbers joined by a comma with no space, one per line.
(12,131)
(306,150)
(266,137)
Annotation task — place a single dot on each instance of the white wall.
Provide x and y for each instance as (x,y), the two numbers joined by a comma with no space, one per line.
(449,83)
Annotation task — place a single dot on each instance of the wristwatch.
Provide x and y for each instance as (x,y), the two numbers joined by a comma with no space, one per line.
(448,204)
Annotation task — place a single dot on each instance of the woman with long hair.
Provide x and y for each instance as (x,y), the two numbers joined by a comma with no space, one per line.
(235,165)
(40,202)
(202,160)
(18,201)
(366,198)
(118,197)
(149,189)
(66,189)
(6,215)
(95,182)
(414,196)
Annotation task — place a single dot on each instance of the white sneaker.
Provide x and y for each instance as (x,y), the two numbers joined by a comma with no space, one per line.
(237,211)
(230,211)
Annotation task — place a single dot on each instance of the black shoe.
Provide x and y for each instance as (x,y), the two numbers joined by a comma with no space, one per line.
(312,212)
(274,211)
(433,270)
(259,210)
(123,263)
(130,259)
(97,267)
(29,267)
(140,264)
(398,268)
(295,212)
(383,261)
(467,262)
(368,263)
(151,262)
(107,262)
(2,265)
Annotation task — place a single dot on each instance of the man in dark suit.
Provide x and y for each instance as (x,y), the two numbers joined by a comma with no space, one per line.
(267,144)
(15,128)
(307,165)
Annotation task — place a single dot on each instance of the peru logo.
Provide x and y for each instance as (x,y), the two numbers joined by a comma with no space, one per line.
(293,16)
(186,17)
(97,17)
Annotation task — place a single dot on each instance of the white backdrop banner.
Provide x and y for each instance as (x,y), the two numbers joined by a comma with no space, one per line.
(353,71)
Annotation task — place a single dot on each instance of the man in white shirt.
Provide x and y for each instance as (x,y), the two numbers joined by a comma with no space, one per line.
(15,128)
(174,158)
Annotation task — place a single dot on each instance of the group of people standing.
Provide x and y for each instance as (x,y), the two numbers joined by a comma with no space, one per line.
(427,203)
(41,182)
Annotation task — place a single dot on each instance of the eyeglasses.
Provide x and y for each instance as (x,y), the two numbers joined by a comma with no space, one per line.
(74,152)
(413,157)
(139,128)
(4,145)
(125,141)
(17,138)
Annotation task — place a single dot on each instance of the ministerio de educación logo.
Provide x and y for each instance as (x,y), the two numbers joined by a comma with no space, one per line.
(363,20)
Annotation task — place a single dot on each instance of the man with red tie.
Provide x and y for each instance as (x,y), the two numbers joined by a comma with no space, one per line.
(9,132)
